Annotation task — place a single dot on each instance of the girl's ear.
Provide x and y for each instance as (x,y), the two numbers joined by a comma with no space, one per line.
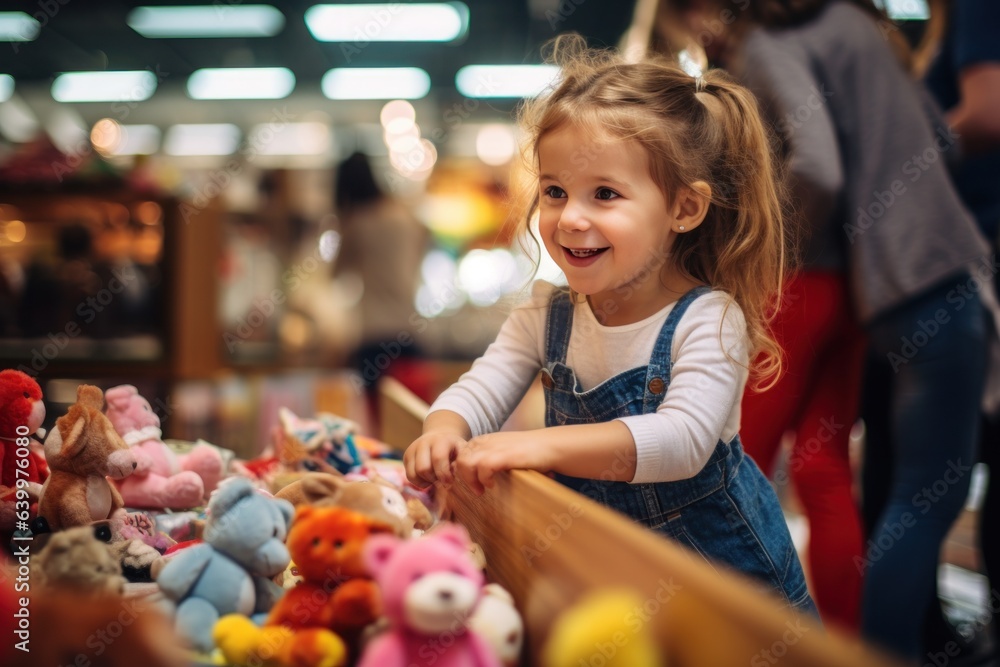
(690,206)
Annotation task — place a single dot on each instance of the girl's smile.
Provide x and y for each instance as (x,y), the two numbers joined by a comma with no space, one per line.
(582,256)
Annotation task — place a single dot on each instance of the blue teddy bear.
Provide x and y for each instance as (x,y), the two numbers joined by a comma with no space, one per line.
(231,572)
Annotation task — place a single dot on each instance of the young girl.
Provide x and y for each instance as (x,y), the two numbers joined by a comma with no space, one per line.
(657,196)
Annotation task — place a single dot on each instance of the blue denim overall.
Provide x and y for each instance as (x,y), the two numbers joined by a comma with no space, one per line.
(728,512)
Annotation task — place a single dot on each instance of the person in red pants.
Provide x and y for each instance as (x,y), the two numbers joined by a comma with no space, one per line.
(817,398)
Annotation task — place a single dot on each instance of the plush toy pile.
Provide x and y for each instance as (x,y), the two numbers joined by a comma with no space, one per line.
(317,553)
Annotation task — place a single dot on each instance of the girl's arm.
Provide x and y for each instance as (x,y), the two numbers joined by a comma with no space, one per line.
(594,451)
(484,397)
(707,379)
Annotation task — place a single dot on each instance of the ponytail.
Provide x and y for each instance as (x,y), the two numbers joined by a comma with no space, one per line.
(744,245)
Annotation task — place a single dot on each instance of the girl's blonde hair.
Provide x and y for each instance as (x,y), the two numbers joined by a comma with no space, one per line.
(705,129)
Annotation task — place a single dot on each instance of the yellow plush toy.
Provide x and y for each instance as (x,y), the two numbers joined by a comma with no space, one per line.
(244,643)
(602,628)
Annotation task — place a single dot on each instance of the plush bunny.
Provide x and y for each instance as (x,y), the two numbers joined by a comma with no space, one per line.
(162,479)
(82,451)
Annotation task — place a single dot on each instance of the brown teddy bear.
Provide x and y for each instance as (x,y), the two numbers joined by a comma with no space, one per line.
(378,500)
(82,450)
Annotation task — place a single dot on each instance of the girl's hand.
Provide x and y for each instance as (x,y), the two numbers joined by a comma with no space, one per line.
(483,457)
(428,459)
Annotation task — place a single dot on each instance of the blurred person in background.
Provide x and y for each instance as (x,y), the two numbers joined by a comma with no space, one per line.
(964,78)
(862,155)
(383,245)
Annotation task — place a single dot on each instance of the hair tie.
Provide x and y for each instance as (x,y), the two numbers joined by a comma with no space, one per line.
(699,84)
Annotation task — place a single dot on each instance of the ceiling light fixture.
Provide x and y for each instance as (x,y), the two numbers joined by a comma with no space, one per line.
(6,87)
(388,22)
(905,10)
(309,138)
(505,80)
(206,139)
(241,83)
(376,83)
(18,27)
(219,20)
(138,140)
(130,86)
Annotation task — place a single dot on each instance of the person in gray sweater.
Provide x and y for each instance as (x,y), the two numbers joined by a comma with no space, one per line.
(866,160)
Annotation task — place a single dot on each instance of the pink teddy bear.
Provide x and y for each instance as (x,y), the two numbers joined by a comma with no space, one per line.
(430,588)
(162,479)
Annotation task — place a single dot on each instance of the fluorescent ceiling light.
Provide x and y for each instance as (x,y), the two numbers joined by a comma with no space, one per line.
(291,138)
(18,27)
(218,20)
(905,10)
(134,86)
(505,80)
(6,87)
(376,83)
(17,122)
(388,22)
(207,139)
(138,140)
(241,83)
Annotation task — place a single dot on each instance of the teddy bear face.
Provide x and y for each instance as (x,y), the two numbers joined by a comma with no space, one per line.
(129,411)
(429,585)
(74,559)
(328,542)
(249,528)
(20,403)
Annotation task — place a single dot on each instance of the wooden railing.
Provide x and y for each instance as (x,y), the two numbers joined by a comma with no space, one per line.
(549,546)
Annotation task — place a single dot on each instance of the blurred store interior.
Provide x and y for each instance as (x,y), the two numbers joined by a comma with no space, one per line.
(168,215)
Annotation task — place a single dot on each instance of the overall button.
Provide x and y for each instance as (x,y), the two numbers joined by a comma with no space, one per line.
(547,381)
(656,385)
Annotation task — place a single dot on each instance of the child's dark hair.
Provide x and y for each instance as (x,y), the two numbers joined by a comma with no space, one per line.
(692,129)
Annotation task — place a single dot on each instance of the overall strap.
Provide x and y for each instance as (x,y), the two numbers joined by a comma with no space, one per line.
(658,370)
(558,327)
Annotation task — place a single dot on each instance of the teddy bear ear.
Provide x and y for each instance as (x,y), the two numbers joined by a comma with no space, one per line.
(226,496)
(90,396)
(378,551)
(118,397)
(318,485)
(454,533)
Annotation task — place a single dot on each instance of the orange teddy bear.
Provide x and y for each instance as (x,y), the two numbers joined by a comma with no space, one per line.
(337,593)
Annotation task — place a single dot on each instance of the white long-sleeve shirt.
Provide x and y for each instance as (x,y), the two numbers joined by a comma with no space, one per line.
(702,403)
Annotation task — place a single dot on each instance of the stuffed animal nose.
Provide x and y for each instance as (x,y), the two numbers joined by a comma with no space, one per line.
(134,464)
(445,596)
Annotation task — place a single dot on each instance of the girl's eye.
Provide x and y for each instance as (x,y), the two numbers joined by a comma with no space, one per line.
(606,194)
(555,192)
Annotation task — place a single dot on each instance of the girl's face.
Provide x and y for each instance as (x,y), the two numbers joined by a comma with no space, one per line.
(604,221)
